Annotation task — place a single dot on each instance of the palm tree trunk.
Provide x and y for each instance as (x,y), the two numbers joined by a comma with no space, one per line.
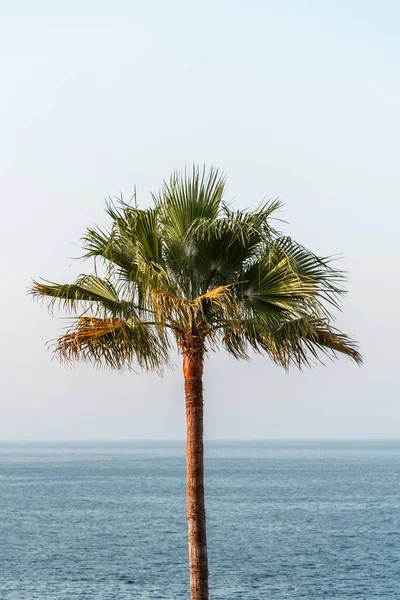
(193,351)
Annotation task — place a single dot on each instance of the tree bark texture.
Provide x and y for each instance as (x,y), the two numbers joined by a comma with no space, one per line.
(198,563)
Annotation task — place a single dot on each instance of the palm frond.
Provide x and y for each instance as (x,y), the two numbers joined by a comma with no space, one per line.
(290,278)
(218,296)
(88,289)
(134,235)
(194,266)
(187,198)
(222,246)
(295,342)
(194,194)
(307,265)
(113,343)
(317,335)
(272,287)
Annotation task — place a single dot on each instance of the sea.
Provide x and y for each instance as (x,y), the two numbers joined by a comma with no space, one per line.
(286,520)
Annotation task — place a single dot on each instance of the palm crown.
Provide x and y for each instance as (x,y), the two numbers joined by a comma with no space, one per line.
(191,268)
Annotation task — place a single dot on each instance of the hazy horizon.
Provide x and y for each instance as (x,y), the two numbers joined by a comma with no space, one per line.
(182,441)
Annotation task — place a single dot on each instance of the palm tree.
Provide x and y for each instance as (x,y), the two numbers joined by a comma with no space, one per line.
(193,273)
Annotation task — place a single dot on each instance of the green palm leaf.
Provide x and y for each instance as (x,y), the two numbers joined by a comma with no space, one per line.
(87,289)
(193,266)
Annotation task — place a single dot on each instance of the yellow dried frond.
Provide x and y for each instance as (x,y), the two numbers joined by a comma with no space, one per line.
(86,331)
(215,295)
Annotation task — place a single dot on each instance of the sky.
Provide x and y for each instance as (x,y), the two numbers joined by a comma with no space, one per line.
(291,99)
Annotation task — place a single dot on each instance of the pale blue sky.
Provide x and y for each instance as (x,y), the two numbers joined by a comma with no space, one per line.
(292,99)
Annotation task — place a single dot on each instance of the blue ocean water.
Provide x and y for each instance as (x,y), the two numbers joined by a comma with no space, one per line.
(286,520)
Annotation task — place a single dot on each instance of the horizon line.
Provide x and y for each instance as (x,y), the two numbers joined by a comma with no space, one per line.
(182,440)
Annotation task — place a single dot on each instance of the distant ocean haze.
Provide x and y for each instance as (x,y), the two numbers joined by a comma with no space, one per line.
(286,520)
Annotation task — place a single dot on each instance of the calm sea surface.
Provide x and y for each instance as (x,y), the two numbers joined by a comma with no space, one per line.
(286,520)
